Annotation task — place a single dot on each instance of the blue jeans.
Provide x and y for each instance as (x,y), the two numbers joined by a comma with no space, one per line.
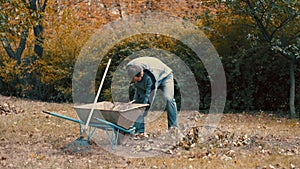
(166,85)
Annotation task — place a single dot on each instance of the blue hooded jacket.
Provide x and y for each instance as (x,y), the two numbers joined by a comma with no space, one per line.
(154,71)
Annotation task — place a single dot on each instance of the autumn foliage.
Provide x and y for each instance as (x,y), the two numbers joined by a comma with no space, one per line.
(257,78)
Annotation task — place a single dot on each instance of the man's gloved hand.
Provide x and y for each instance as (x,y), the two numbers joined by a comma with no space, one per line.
(133,101)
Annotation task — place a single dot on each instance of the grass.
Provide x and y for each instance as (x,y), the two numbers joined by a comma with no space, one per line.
(33,139)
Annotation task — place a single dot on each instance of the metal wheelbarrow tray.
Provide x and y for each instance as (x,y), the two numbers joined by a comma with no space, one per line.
(121,114)
(112,117)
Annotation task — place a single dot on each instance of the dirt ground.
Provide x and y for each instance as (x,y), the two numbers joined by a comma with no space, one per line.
(32,139)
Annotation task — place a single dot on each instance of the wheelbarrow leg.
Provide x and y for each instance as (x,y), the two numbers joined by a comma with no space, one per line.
(89,135)
(112,135)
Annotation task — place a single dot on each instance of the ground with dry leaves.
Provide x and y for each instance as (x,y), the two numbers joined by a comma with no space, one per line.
(31,139)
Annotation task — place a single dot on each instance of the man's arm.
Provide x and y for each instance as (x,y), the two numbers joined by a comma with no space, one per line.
(149,84)
(135,97)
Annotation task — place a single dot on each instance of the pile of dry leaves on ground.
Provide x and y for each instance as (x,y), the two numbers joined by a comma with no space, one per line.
(7,108)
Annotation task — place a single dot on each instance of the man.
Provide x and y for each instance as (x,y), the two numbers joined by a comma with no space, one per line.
(148,74)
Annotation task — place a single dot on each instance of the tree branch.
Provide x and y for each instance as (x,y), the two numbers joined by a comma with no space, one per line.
(259,22)
(283,23)
(22,44)
(25,3)
(32,5)
(264,7)
(19,51)
(8,49)
(43,7)
(269,14)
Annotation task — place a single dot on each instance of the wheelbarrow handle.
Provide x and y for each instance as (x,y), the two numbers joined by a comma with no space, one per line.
(63,117)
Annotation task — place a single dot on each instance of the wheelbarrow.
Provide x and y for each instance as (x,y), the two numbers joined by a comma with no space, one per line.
(114,118)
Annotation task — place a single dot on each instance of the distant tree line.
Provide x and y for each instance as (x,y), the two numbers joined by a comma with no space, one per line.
(258,43)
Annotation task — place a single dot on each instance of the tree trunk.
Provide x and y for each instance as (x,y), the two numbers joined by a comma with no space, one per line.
(292,88)
(38,29)
(39,40)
